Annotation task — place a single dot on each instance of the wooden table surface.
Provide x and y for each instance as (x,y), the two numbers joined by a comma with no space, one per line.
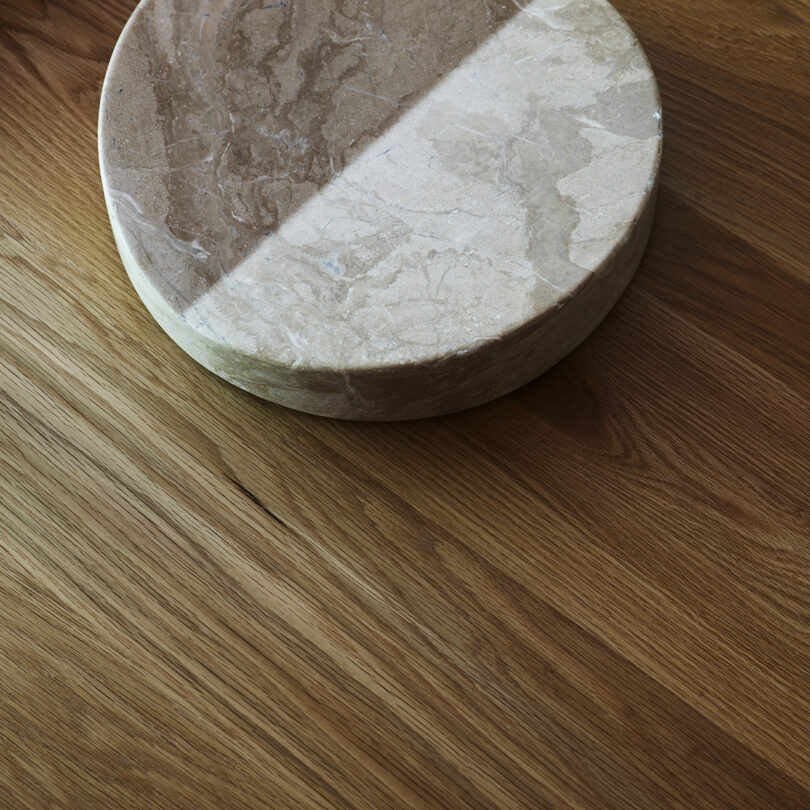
(592,593)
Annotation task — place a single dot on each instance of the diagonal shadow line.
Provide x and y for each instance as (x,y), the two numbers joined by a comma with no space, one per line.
(221,118)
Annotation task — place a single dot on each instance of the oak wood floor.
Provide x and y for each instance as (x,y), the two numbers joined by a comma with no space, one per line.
(593,593)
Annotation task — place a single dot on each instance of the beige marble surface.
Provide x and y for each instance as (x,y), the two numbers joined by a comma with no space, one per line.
(379,209)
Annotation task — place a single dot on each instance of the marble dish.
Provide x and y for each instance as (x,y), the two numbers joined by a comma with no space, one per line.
(379,209)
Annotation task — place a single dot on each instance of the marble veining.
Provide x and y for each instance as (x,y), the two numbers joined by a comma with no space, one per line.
(368,186)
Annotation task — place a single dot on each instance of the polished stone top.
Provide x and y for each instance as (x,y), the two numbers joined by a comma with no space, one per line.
(362,183)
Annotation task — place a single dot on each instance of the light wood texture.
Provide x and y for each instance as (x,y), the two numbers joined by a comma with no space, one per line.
(593,593)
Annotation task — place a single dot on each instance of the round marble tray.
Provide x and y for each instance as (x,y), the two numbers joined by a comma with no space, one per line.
(379,209)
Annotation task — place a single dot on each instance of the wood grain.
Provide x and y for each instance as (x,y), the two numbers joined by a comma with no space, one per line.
(593,593)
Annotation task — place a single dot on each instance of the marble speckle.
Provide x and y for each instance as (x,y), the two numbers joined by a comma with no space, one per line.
(366,192)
